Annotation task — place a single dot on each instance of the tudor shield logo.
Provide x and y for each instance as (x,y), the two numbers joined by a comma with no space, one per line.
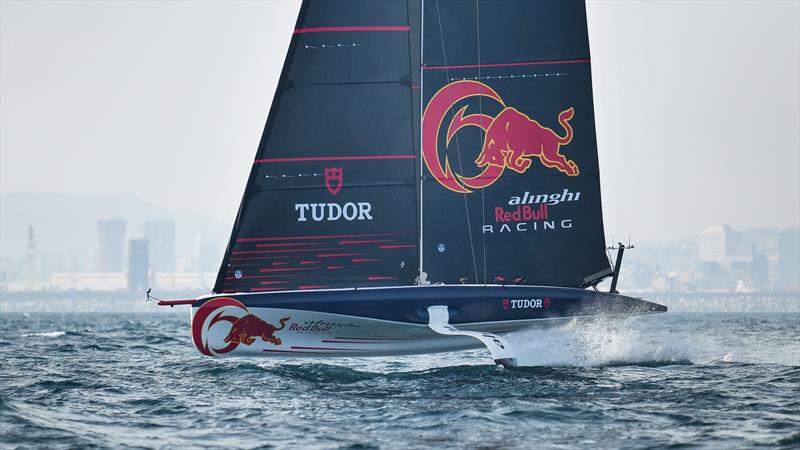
(512,139)
(333,179)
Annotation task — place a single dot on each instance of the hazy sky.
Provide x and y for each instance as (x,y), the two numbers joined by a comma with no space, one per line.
(697,105)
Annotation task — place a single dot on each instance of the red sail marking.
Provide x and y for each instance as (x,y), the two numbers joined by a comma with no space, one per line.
(267,283)
(376,278)
(265,276)
(336,255)
(398,246)
(334,267)
(311,287)
(332,158)
(310,262)
(511,64)
(292,244)
(372,241)
(282,270)
(256,258)
(363,260)
(335,236)
(341,29)
(279,263)
(250,252)
(266,289)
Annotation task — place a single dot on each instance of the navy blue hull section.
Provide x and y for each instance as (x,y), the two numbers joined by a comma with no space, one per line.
(467,303)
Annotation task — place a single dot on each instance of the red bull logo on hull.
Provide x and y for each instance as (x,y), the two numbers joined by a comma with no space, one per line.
(245,328)
(512,139)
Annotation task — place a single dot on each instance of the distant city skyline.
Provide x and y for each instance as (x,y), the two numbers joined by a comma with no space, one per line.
(167,101)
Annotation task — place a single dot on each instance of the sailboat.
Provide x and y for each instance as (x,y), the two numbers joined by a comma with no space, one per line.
(427,180)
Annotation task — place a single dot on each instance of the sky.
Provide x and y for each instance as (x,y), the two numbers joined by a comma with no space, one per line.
(697,105)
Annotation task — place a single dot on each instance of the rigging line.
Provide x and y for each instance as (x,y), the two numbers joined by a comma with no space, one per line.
(458,146)
(481,137)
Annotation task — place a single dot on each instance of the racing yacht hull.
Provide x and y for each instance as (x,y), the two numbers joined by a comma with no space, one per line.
(388,320)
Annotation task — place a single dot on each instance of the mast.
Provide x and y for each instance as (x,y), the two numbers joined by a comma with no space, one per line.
(422,278)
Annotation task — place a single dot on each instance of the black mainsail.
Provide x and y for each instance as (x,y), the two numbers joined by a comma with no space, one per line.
(492,175)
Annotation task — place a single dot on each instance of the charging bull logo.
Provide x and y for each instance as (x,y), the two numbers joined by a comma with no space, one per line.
(245,328)
(512,138)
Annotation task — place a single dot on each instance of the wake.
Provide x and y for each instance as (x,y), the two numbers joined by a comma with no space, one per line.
(606,342)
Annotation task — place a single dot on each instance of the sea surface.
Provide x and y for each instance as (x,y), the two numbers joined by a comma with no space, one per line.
(674,380)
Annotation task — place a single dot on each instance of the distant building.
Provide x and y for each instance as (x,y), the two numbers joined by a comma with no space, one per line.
(138,265)
(110,245)
(789,257)
(712,245)
(759,270)
(161,235)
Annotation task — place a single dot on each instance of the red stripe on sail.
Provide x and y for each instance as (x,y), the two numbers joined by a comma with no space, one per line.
(266,283)
(332,236)
(341,29)
(266,289)
(248,252)
(511,64)
(302,263)
(380,278)
(363,260)
(281,270)
(265,257)
(334,267)
(311,287)
(336,255)
(332,158)
(398,246)
(289,244)
(373,241)
(265,276)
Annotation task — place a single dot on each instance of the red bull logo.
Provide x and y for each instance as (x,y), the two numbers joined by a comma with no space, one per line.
(512,139)
(245,328)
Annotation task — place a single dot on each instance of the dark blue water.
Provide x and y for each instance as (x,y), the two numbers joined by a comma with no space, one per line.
(671,380)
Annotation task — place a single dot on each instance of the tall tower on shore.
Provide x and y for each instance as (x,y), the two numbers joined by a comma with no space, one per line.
(110,245)
(161,236)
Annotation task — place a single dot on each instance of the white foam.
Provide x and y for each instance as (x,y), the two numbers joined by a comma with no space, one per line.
(595,343)
(46,334)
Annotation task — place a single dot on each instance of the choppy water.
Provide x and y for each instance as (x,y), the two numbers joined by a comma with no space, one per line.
(671,380)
